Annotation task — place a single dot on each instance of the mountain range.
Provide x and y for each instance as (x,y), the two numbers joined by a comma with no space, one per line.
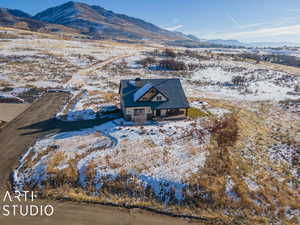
(91,20)
(99,23)
(237,43)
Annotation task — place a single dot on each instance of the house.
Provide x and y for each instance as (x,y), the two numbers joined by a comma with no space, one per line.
(146,99)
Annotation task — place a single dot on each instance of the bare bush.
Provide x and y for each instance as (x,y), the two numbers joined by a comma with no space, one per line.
(170,53)
(225,131)
(193,54)
(147,61)
(238,80)
(192,66)
(171,64)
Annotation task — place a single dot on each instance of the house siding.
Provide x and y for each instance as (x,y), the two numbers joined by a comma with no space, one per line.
(129,113)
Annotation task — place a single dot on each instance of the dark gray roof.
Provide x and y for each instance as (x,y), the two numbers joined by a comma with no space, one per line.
(171,88)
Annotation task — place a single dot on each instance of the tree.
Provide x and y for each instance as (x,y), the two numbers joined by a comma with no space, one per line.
(170,53)
(171,64)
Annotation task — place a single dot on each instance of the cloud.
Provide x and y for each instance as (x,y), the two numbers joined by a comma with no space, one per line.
(173,28)
(294,10)
(258,33)
(244,26)
(252,25)
(233,20)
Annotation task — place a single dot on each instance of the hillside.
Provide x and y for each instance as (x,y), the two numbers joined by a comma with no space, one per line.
(21,20)
(99,22)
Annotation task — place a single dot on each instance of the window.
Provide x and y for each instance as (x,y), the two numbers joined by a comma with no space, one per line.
(139,112)
(158,98)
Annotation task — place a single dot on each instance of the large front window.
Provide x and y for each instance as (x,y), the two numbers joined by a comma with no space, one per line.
(175,112)
(139,112)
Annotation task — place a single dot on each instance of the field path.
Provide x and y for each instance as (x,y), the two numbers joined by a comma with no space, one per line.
(100,65)
(80,75)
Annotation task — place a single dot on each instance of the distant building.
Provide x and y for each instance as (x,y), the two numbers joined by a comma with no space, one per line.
(146,99)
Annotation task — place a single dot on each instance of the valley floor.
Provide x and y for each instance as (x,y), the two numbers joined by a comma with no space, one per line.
(235,159)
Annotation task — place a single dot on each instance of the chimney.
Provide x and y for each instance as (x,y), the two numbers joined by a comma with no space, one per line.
(138,82)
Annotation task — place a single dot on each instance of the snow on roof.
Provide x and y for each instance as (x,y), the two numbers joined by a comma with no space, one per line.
(140,92)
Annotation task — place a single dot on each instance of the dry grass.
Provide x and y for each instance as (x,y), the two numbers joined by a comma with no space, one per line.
(149,143)
(225,130)
(8,36)
(4,83)
(110,97)
(70,173)
(95,92)
(195,113)
(54,162)
(229,136)
(29,163)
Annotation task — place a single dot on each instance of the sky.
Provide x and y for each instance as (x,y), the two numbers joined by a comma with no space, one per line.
(248,21)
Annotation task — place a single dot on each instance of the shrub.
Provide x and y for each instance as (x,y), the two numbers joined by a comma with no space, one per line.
(193,67)
(147,61)
(169,53)
(238,80)
(195,113)
(171,64)
(225,131)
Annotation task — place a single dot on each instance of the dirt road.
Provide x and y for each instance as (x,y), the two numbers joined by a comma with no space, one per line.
(14,141)
(9,111)
(72,213)
(100,65)
(21,133)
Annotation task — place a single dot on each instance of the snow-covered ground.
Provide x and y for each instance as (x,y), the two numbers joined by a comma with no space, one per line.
(51,63)
(260,83)
(164,157)
(161,156)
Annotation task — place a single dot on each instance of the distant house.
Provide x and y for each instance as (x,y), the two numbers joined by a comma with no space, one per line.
(146,99)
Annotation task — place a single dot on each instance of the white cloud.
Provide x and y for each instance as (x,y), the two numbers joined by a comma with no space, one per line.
(258,33)
(294,10)
(233,20)
(252,25)
(244,26)
(173,28)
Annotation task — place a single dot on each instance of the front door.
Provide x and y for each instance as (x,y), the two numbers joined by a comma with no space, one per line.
(158,112)
(139,114)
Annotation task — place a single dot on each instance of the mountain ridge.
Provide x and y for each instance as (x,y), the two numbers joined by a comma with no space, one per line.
(21,20)
(237,43)
(99,22)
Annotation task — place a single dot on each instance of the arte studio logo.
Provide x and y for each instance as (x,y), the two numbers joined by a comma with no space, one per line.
(23,204)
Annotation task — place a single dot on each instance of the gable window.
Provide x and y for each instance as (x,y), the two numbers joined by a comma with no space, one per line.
(159,98)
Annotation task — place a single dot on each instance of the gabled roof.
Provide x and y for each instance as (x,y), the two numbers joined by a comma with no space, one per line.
(142,91)
(171,88)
